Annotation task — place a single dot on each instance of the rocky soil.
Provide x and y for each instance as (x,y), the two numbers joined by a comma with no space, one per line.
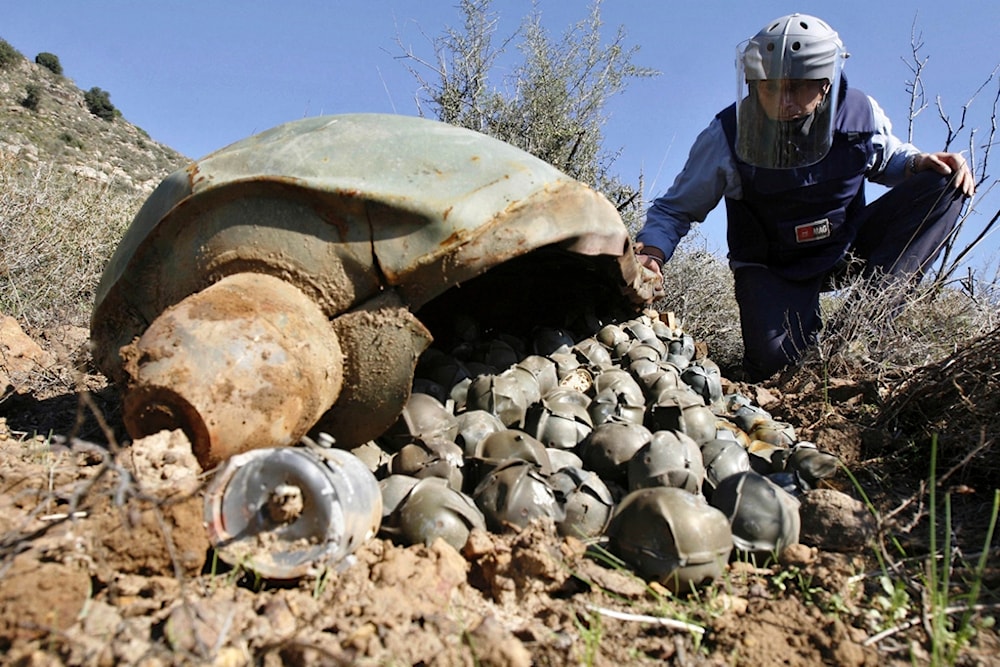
(106,560)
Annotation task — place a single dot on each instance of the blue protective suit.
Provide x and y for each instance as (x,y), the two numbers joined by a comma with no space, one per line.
(788,231)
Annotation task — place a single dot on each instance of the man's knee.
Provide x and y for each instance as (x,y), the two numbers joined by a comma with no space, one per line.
(928,181)
(763,356)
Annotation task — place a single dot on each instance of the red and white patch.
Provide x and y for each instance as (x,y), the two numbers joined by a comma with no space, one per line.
(812,231)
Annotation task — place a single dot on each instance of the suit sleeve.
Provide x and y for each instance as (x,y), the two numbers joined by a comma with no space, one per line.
(708,175)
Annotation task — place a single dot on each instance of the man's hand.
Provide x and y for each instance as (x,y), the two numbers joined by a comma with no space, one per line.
(947,164)
(651,258)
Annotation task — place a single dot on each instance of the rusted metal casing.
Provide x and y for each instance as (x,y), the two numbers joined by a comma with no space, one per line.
(359,221)
(249,359)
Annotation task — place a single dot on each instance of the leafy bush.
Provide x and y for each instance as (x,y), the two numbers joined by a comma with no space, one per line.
(49,61)
(71,140)
(99,103)
(32,97)
(551,103)
(8,54)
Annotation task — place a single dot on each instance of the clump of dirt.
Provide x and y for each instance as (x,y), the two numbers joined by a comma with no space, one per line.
(106,560)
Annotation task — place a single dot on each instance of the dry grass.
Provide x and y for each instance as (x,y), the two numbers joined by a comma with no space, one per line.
(57,231)
(699,291)
(886,330)
(882,333)
(956,399)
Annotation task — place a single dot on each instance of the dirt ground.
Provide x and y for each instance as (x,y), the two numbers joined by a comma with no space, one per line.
(106,560)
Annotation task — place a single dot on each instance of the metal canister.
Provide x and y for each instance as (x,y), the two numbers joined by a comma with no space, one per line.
(288,512)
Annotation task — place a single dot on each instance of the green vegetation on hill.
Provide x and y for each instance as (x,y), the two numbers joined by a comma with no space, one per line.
(8,54)
(46,120)
(49,61)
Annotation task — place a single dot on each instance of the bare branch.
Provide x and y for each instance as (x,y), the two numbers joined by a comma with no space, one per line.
(948,266)
(946,119)
(978,154)
(953,132)
(983,234)
(915,87)
(987,147)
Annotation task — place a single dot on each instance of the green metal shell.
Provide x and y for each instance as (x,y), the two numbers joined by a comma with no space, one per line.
(369,216)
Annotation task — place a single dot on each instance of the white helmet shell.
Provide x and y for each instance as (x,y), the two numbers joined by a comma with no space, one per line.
(796,46)
(788,53)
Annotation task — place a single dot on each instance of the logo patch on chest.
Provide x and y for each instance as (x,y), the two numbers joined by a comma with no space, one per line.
(812,231)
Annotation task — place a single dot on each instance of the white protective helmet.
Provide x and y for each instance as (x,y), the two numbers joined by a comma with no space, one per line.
(796,47)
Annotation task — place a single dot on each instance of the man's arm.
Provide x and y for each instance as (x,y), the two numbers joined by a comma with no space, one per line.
(708,175)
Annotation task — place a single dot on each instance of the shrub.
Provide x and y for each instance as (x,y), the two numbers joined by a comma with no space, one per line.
(71,140)
(32,97)
(699,291)
(99,103)
(552,102)
(49,61)
(8,54)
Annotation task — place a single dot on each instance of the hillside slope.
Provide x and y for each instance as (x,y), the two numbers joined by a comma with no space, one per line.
(61,131)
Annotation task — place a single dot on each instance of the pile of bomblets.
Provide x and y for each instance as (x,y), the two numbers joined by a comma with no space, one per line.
(623,439)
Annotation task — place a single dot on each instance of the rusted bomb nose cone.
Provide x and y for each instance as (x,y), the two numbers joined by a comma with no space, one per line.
(248,362)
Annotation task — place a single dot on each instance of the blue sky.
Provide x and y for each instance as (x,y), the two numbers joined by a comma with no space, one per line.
(199,75)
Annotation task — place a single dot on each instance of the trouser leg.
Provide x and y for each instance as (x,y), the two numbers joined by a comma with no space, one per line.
(901,233)
(779,319)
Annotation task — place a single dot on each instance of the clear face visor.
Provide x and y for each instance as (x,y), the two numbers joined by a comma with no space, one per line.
(786,106)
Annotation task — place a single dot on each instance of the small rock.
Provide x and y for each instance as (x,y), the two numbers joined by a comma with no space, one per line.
(280,617)
(619,582)
(798,555)
(101,620)
(163,463)
(20,356)
(833,521)
(732,603)
(480,543)
(495,645)
(765,397)
(203,625)
(230,656)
